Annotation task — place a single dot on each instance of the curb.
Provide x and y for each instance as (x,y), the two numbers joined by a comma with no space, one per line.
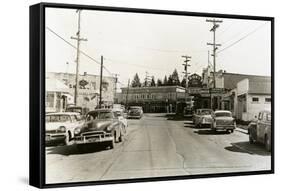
(241,130)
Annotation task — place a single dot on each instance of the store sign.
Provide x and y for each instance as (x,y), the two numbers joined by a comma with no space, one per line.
(195,80)
(83,83)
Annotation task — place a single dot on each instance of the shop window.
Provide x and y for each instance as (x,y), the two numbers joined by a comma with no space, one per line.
(267,100)
(255,99)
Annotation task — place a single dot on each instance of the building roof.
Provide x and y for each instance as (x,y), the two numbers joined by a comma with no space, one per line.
(259,85)
(54,85)
(231,79)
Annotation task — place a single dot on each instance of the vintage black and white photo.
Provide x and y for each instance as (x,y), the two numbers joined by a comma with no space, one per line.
(139,95)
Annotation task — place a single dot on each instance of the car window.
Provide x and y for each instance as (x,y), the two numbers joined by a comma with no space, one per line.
(223,114)
(268,117)
(57,118)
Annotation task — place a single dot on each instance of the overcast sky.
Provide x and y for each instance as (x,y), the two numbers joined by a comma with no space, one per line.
(135,43)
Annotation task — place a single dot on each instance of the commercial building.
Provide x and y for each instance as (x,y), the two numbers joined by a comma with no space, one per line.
(152,99)
(89,88)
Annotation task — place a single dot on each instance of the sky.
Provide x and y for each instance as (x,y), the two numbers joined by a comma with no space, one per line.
(138,43)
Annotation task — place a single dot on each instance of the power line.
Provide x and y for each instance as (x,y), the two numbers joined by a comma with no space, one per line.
(73,46)
(242,38)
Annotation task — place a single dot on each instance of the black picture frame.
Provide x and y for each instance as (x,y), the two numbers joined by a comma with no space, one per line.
(37,92)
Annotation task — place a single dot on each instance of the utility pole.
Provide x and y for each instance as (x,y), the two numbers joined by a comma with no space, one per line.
(215,46)
(127,93)
(187,59)
(116,81)
(101,70)
(146,79)
(78,38)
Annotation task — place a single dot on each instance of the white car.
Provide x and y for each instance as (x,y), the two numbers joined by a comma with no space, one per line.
(60,127)
(223,120)
(121,117)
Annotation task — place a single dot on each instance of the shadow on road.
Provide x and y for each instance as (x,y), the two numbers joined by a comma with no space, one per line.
(246,147)
(76,150)
(210,132)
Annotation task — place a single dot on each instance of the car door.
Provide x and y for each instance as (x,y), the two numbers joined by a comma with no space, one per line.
(261,127)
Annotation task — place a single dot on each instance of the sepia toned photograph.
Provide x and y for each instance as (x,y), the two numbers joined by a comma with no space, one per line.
(131,95)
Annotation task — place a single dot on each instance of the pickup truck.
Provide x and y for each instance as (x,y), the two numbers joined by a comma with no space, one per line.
(260,130)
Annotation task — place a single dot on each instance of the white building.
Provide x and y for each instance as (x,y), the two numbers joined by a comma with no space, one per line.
(253,95)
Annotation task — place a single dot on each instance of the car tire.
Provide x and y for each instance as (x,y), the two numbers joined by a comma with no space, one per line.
(267,143)
(112,144)
(67,140)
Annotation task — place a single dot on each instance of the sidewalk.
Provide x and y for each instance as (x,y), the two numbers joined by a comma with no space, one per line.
(242,128)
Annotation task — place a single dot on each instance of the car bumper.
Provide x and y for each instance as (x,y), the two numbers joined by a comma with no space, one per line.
(96,138)
(52,138)
(224,127)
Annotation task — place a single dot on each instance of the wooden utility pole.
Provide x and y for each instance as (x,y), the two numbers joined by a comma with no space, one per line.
(78,39)
(101,72)
(215,46)
(115,88)
(187,59)
(127,94)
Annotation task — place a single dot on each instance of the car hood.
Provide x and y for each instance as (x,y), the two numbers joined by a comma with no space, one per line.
(54,126)
(97,125)
(206,116)
(224,118)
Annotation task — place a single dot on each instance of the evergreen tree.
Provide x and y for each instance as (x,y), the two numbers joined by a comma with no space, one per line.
(175,78)
(170,81)
(136,81)
(152,83)
(183,82)
(159,82)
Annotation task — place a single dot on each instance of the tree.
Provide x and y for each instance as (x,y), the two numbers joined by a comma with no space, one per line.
(175,78)
(183,82)
(136,81)
(165,81)
(159,82)
(170,81)
(152,83)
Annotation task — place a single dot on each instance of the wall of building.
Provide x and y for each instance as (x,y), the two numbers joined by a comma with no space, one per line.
(254,107)
(88,95)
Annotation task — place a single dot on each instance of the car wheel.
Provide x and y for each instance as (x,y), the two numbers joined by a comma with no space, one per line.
(251,140)
(267,143)
(67,140)
(112,144)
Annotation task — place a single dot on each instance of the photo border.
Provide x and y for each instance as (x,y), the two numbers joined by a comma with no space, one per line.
(37,161)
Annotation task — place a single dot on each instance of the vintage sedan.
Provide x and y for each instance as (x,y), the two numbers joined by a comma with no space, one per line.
(203,117)
(135,112)
(60,127)
(121,116)
(223,120)
(101,125)
(260,130)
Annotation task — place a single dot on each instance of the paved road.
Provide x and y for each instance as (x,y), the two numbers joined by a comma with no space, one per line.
(157,146)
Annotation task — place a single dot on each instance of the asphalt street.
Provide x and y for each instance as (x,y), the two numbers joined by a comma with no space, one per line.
(157,146)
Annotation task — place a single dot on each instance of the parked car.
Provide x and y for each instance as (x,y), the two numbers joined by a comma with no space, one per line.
(101,125)
(121,116)
(223,120)
(60,127)
(203,117)
(135,112)
(78,109)
(260,130)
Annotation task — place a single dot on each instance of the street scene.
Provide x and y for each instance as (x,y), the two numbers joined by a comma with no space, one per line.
(131,95)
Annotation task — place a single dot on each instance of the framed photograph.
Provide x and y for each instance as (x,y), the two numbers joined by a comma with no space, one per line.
(122,95)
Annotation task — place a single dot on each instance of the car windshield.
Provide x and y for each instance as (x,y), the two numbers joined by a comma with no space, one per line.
(205,112)
(57,118)
(102,115)
(135,109)
(77,110)
(223,114)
